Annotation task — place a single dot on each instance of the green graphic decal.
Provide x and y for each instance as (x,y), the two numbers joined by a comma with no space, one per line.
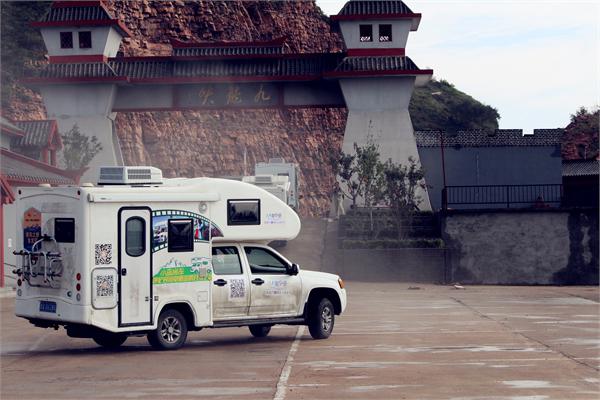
(177,272)
(204,229)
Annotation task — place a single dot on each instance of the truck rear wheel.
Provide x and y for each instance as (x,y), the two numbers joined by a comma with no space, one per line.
(259,330)
(171,331)
(110,340)
(321,319)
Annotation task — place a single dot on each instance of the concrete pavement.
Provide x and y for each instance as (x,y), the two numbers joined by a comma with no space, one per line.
(396,341)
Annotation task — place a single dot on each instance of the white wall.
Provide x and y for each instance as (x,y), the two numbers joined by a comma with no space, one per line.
(105,40)
(351,33)
(89,106)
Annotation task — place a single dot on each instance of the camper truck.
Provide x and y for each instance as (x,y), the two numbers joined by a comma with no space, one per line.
(137,254)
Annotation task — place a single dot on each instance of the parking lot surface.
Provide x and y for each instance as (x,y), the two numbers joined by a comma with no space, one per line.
(396,341)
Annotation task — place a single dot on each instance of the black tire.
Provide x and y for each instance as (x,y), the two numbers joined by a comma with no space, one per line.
(171,331)
(321,319)
(110,340)
(259,330)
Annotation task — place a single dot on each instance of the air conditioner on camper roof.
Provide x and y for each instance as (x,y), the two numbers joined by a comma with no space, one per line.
(130,176)
(264,179)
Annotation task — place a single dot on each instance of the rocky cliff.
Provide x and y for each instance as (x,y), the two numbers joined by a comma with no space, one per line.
(213,143)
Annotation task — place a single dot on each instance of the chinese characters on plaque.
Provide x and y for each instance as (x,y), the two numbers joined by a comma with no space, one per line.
(228,95)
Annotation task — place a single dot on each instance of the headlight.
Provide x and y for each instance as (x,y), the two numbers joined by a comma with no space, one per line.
(341,283)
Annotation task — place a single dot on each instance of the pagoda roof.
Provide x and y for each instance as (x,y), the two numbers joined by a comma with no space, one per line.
(80,13)
(225,49)
(355,10)
(10,128)
(18,169)
(285,67)
(378,65)
(38,133)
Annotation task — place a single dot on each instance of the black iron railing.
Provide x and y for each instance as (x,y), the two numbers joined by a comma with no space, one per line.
(502,196)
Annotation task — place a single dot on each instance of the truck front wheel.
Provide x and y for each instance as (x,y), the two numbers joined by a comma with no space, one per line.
(171,331)
(321,319)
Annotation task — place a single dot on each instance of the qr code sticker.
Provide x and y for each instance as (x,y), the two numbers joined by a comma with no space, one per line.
(237,289)
(104,285)
(103,254)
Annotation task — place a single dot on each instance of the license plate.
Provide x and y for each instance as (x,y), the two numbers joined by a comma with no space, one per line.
(48,306)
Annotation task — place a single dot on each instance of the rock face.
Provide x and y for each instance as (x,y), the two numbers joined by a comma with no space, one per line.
(210,143)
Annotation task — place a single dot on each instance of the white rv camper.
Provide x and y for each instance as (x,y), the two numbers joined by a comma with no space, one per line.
(139,255)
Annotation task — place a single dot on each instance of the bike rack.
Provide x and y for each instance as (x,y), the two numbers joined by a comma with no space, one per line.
(49,258)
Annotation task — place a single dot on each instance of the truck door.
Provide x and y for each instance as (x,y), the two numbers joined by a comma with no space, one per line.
(135,268)
(273,291)
(230,291)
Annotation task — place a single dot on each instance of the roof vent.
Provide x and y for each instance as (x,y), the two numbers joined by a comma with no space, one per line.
(277,160)
(264,179)
(130,176)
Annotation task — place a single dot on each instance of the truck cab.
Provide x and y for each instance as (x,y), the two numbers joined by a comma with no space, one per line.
(256,283)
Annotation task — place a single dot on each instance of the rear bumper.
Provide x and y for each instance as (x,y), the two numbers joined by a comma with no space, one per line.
(65,312)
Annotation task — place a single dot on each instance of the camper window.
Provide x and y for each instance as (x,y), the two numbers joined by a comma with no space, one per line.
(135,234)
(226,261)
(181,235)
(64,230)
(263,261)
(243,212)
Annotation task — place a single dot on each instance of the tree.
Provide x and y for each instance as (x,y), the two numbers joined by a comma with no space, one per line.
(78,149)
(369,175)
(400,191)
(345,168)
(580,139)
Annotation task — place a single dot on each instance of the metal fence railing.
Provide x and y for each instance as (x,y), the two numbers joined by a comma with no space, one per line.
(502,196)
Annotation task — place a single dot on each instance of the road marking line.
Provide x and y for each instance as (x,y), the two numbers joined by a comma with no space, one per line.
(287,367)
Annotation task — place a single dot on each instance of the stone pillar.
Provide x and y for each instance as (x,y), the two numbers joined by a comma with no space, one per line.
(379,107)
(89,107)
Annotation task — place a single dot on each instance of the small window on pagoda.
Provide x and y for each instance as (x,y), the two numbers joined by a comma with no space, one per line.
(85,40)
(366,33)
(385,33)
(66,40)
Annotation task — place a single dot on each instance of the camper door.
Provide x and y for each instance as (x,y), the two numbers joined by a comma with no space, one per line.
(135,266)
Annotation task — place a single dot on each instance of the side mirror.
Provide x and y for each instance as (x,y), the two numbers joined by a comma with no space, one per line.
(293,269)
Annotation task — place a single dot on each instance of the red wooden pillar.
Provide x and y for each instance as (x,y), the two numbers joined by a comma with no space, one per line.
(53,157)
(45,156)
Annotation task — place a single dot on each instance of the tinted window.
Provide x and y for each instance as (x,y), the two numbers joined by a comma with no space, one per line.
(385,33)
(263,261)
(226,261)
(243,212)
(135,233)
(66,40)
(181,235)
(85,40)
(64,230)
(366,33)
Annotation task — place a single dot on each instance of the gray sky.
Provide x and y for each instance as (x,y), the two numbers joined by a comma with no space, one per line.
(536,61)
